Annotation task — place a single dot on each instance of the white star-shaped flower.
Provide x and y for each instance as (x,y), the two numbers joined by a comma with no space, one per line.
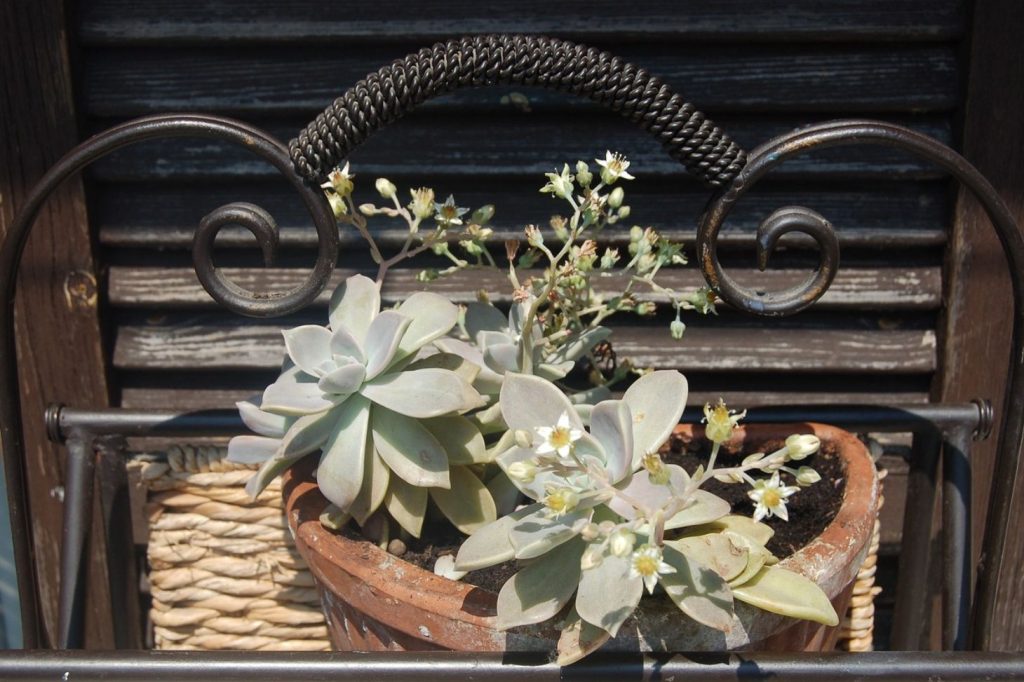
(770,498)
(647,563)
(558,438)
(614,166)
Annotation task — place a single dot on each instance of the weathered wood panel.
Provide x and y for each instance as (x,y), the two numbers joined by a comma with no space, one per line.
(59,350)
(446,146)
(212,342)
(271,22)
(916,288)
(976,333)
(275,81)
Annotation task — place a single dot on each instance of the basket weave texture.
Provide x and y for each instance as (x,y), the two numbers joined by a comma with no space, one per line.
(225,574)
(224,571)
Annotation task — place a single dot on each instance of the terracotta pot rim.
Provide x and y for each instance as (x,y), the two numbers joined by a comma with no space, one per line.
(840,542)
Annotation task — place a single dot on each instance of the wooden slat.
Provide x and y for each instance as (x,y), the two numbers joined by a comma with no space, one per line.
(269,21)
(457,146)
(164,215)
(213,342)
(918,288)
(259,81)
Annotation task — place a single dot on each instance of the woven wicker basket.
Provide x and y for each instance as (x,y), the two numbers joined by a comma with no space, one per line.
(224,572)
(223,569)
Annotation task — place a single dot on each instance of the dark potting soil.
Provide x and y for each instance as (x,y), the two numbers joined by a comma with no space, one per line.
(810,510)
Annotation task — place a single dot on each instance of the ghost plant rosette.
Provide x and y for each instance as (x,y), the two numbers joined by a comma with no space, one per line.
(503,421)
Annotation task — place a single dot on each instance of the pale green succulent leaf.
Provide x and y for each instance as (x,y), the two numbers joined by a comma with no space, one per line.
(579,344)
(787,593)
(656,401)
(504,493)
(253,449)
(528,402)
(260,421)
(654,495)
(450,361)
(296,394)
(376,477)
(344,380)
(611,425)
(759,533)
(578,639)
(590,397)
(460,439)
(706,507)
(432,317)
(484,317)
(406,504)
(340,472)
(537,533)
(490,544)
(487,381)
(757,558)
(541,589)
(698,591)
(344,345)
(502,357)
(409,449)
(309,347)
(423,393)
(717,551)
(553,371)
(382,340)
(353,306)
(468,503)
(489,420)
(310,432)
(608,595)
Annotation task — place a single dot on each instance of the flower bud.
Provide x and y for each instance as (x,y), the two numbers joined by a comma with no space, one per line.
(524,438)
(799,446)
(677,328)
(623,212)
(583,174)
(621,542)
(386,188)
(422,205)
(609,259)
(616,197)
(589,531)
(524,471)
(592,557)
(807,476)
(337,204)
(534,237)
(606,527)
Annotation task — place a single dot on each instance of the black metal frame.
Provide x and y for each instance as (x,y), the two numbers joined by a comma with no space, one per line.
(705,151)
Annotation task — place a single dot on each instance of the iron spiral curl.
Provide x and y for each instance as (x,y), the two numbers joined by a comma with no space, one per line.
(391,92)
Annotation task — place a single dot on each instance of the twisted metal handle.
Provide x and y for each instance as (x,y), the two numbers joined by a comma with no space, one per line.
(394,90)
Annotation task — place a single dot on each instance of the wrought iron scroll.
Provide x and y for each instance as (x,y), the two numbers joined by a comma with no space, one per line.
(840,133)
(222,289)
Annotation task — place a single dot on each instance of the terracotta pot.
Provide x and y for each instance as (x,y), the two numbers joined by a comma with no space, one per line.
(376,602)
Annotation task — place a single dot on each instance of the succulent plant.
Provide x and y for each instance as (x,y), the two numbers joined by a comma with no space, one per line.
(385,413)
(611,518)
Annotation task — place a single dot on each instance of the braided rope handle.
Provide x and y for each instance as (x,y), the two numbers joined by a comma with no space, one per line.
(389,93)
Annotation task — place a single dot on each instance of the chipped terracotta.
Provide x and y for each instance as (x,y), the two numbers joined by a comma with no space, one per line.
(376,602)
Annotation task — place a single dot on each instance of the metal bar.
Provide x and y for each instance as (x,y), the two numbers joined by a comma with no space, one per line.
(154,666)
(910,616)
(893,418)
(78,482)
(956,539)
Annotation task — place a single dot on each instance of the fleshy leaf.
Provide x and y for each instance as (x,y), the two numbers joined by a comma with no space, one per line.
(717,551)
(449,361)
(309,347)
(432,317)
(787,593)
(490,545)
(537,534)
(705,508)
(656,401)
(528,402)
(252,449)
(460,439)
(262,422)
(487,381)
(354,304)
(698,591)
(640,487)
(541,589)
(382,340)
(309,433)
(468,503)
(611,425)
(344,380)
(607,594)
(423,393)
(344,345)
(484,317)
(502,357)
(578,639)
(406,504)
(759,532)
(409,449)
(504,493)
(340,472)
(376,477)
(295,394)
(577,345)
(757,558)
